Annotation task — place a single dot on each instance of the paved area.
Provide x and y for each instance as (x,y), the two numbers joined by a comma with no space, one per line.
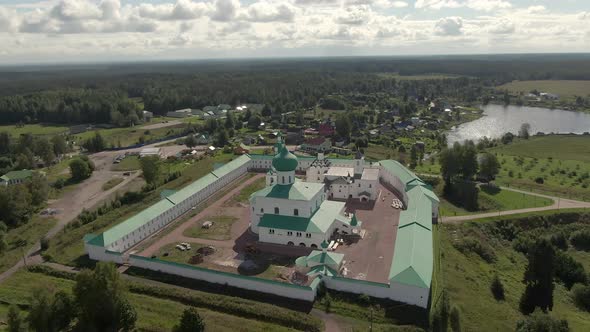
(558,203)
(370,258)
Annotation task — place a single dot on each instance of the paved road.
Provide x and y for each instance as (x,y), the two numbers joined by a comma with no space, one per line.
(558,203)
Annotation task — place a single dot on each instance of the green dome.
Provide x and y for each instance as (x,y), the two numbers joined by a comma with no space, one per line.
(285,161)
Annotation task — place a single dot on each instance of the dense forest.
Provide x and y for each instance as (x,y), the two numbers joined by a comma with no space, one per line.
(107,93)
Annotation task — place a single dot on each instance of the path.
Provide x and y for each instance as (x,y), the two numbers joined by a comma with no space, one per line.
(330,324)
(558,203)
(177,235)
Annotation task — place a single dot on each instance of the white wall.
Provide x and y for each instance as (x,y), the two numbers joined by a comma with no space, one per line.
(409,294)
(250,283)
(282,237)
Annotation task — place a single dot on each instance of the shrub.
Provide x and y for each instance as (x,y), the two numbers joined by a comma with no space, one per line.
(539,321)
(44,243)
(559,240)
(470,244)
(497,288)
(581,296)
(539,180)
(327,303)
(569,271)
(581,240)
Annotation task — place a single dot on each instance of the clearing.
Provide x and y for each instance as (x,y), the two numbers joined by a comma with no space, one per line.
(563,88)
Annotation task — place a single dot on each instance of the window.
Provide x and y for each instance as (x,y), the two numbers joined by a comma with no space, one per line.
(276,210)
(289,178)
(289,233)
(261,210)
(369,185)
(296,212)
(283,179)
(359,185)
(271,231)
(308,235)
(298,234)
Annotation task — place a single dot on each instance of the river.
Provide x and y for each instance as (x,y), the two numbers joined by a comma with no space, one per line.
(499,119)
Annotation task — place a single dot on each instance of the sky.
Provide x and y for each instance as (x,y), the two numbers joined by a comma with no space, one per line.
(61,31)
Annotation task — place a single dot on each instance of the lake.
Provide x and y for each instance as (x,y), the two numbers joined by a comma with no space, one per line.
(499,119)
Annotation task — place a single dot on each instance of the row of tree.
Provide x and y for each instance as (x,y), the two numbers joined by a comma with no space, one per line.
(24,151)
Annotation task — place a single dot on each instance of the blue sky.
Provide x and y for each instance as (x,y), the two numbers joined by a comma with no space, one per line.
(102,30)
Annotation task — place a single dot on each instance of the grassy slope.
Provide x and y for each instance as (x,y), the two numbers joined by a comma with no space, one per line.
(34,129)
(563,88)
(154,314)
(467,278)
(31,232)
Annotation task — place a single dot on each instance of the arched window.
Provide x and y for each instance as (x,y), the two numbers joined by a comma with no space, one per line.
(296,212)
(283,179)
(289,178)
(261,210)
(276,210)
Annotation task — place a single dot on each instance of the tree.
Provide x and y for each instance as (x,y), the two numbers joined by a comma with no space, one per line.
(80,169)
(497,288)
(455,319)
(542,322)
(343,126)
(39,189)
(254,122)
(101,299)
(413,157)
(538,277)
(190,321)
(524,130)
(507,138)
(95,144)
(3,244)
(568,270)
(14,320)
(266,111)
(221,139)
(59,145)
(581,296)
(150,166)
(190,141)
(40,310)
(229,120)
(488,166)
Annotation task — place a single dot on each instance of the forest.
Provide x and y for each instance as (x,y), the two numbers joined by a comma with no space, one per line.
(115,93)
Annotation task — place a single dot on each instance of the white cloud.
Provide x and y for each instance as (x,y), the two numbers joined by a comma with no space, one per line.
(449,26)
(181,10)
(502,27)
(482,5)
(180,40)
(584,16)
(8,21)
(111,9)
(270,12)
(316,2)
(225,10)
(536,9)
(354,15)
(71,10)
(378,3)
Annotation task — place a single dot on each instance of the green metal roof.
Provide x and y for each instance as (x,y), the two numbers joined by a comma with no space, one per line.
(285,161)
(424,191)
(192,188)
(299,191)
(329,258)
(323,270)
(412,257)
(17,175)
(419,210)
(95,240)
(230,166)
(128,226)
(399,170)
(321,220)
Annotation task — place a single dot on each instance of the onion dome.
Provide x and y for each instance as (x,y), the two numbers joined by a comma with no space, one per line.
(353,221)
(285,161)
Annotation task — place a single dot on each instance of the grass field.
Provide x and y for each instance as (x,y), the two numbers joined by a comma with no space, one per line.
(169,252)
(131,135)
(153,314)
(245,193)
(219,231)
(129,163)
(468,277)
(30,233)
(562,147)
(34,129)
(562,88)
(491,200)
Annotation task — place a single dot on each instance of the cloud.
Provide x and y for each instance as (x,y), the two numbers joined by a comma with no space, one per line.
(111,9)
(181,10)
(449,26)
(536,9)
(316,2)
(378,3)
(8,21)
(584,16)
(354,15)
(270,12)
(234,27)
(225,10)
(481,5)
(180,40)
(502,27)
(390,32)
(71,10)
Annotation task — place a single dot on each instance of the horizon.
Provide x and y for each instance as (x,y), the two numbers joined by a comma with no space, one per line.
(113,31)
